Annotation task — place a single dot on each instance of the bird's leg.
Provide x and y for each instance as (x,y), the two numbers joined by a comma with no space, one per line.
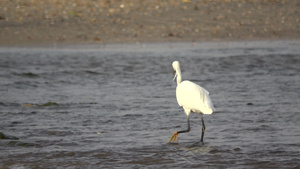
(175,135)
(203,127)
(188,129)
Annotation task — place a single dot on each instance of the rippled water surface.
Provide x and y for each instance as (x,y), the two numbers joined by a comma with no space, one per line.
(115,106)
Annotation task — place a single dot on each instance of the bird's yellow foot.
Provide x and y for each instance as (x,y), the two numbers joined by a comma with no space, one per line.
(174,137)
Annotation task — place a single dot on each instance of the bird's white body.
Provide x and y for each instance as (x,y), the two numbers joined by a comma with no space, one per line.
(193,98)
(190,96)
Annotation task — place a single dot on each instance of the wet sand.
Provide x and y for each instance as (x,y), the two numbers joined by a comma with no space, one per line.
(34,22)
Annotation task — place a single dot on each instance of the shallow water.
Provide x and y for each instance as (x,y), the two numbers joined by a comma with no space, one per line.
(115,106)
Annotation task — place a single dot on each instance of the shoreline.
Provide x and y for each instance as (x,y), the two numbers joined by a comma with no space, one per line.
(207,49)
(145,43)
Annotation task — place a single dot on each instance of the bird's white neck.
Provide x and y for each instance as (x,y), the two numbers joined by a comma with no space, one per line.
(178,76)
(176,68)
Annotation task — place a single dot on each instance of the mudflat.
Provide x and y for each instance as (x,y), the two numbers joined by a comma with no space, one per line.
(35,22)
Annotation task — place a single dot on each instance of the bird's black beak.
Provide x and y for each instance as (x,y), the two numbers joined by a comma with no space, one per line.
(175,75)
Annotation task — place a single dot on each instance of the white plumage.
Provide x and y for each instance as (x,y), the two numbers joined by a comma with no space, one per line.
(192,98)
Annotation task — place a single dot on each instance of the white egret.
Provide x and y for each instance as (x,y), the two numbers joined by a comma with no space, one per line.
(192,98)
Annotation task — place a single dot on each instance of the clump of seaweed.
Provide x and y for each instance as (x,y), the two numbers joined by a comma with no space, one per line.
(49,104)
(3,136)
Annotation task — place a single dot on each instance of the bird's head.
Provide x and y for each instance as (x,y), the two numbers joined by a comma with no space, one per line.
(176,69)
